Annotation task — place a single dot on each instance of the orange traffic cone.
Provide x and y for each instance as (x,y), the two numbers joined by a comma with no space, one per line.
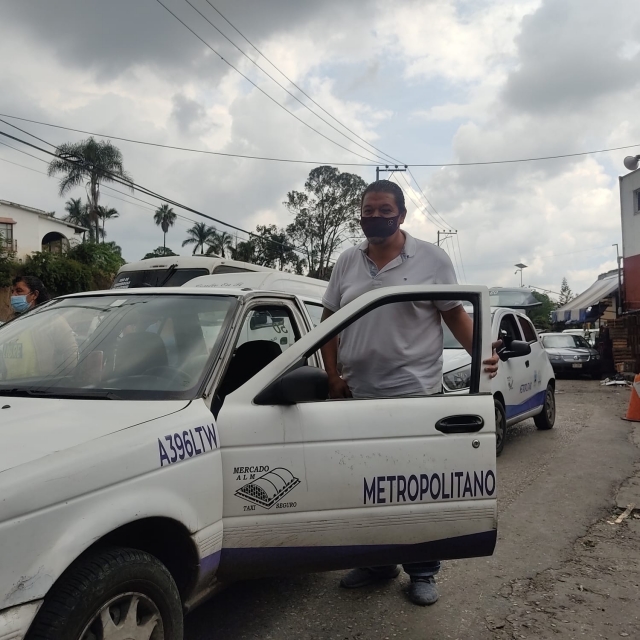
(633,411)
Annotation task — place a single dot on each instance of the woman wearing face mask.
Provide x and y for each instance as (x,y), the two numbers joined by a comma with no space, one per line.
(35,354)
(28,292)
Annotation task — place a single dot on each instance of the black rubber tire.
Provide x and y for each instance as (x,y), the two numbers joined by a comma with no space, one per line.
(95,579)
(501,425)
(547,418)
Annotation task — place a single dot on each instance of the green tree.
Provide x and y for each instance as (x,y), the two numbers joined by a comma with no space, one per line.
(219,243)
(270,247)
(106,213)
(566,295)
(326,215)
(165,217)
(541,316)
(78,213)
(160,252)
(199,235)
(89,163)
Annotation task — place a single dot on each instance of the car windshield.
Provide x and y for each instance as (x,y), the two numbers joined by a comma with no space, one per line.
(114,347)
(564,341)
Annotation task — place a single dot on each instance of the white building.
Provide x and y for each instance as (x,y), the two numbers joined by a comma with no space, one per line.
(630,210)
(24,230)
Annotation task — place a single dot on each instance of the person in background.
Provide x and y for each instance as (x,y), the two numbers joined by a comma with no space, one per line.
(397,350)
(28,354)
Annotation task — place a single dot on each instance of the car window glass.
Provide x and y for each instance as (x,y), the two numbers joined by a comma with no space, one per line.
(528,330)
(509,329)
(564,341)
(315,311)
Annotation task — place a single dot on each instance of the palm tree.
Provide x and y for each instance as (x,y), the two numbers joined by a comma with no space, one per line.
(165,217)
(89,163)
(104,213)
(219,242)
(199,234)
(78,213)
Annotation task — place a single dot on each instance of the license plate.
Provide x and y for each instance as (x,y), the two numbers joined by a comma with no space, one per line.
(577,365)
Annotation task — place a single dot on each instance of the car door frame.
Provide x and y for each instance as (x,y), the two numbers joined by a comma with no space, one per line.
(248,538)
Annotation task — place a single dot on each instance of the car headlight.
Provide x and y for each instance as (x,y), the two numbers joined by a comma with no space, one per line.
(458,378)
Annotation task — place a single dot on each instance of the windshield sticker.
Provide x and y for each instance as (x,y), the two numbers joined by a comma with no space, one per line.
(422,487)
(117,303)
(179,446)
(122,284)
(268,489)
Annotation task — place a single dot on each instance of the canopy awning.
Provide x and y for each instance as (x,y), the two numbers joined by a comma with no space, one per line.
(578,309)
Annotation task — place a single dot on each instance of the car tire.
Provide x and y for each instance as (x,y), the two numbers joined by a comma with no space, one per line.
(101,590)
(547,417)
(501,425)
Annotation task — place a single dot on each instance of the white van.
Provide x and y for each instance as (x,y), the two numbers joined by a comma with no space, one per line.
(174,271)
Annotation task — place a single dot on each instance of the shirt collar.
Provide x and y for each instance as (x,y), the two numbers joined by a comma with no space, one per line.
(409,248)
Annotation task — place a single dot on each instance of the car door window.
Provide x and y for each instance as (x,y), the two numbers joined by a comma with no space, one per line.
(528,330)
(315,311)
(509,329)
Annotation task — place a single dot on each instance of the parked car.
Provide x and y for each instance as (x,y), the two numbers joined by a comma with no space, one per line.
(190,443)
(525,384)
(588,334)
(572,354)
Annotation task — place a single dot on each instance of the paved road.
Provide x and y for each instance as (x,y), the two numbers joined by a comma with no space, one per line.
(555,488)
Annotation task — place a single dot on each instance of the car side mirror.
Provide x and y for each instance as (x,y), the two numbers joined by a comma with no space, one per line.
(304,384)
(517,349)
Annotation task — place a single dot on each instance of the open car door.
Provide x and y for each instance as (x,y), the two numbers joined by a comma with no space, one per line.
(312,484)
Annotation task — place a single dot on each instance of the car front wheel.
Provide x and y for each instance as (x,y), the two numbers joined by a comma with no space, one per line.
(114,594)
(547,417)
(501,426)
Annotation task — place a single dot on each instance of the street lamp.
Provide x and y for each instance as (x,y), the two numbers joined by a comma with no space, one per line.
(631,162)
(520,268)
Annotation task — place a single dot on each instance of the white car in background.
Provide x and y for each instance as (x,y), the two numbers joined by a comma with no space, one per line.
(188,442)
(525,384)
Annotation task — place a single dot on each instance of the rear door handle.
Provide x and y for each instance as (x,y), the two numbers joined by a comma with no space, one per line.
(460,424)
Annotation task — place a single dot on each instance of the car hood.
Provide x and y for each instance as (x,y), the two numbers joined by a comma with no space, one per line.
(32,428)
(454,359)
(570,351)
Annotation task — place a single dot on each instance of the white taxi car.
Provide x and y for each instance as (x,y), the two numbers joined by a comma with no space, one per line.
(183,440)
(525,384)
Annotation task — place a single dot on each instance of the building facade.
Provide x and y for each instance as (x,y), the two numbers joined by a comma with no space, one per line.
(630,212)
(24,230)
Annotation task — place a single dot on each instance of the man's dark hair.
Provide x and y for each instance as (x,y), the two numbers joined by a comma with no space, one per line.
(386,186)
(34,284)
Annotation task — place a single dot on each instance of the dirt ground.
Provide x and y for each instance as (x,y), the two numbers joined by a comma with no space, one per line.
(560,570)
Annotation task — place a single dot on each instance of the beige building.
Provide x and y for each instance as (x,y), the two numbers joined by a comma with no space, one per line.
(24,230)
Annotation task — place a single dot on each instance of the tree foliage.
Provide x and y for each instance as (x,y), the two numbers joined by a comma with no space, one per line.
(566,295)
(89,163)
(541,316)
(270,247)
(160,252)
(326,216)
(199,235)
(220,243)
(165,217)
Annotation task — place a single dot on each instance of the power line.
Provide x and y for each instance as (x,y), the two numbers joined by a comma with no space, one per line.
(114,177)
(300,89)
(306,124)
(424,195)
(464,274)
(280,84)
(316,162)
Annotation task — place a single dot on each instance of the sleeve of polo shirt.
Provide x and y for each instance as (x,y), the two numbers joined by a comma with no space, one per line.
(332,296)
(446,274)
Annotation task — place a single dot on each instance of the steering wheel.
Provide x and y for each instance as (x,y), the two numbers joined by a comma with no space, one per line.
(180,377)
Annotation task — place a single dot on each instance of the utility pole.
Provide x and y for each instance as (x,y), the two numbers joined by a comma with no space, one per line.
(619,307)
(390,169)
(520,267)
(446,234)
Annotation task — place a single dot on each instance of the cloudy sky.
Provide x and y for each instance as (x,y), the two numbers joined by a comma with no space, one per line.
(427,81)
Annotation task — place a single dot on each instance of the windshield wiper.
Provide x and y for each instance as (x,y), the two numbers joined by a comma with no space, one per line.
(83,394)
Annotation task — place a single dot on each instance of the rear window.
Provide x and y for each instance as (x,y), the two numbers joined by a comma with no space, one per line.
(156,278)
(225,268)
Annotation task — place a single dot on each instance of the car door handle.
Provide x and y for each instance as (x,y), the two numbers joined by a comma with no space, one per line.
(526,363)
(460,424)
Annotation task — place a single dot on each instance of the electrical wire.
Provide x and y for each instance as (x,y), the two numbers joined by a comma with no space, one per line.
(464,274)
(250,81)
(280,84)
(302,91)
(132,185)
(316,162)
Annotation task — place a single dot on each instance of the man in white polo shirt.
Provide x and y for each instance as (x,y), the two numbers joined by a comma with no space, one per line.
(395,350)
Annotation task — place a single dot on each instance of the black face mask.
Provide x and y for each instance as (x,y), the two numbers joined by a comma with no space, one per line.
(379,227)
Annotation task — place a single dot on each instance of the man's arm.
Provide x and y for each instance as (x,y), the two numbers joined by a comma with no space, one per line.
(338,388)
(461,325)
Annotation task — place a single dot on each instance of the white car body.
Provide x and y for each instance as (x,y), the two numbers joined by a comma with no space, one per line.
(260,489)
(521,382)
